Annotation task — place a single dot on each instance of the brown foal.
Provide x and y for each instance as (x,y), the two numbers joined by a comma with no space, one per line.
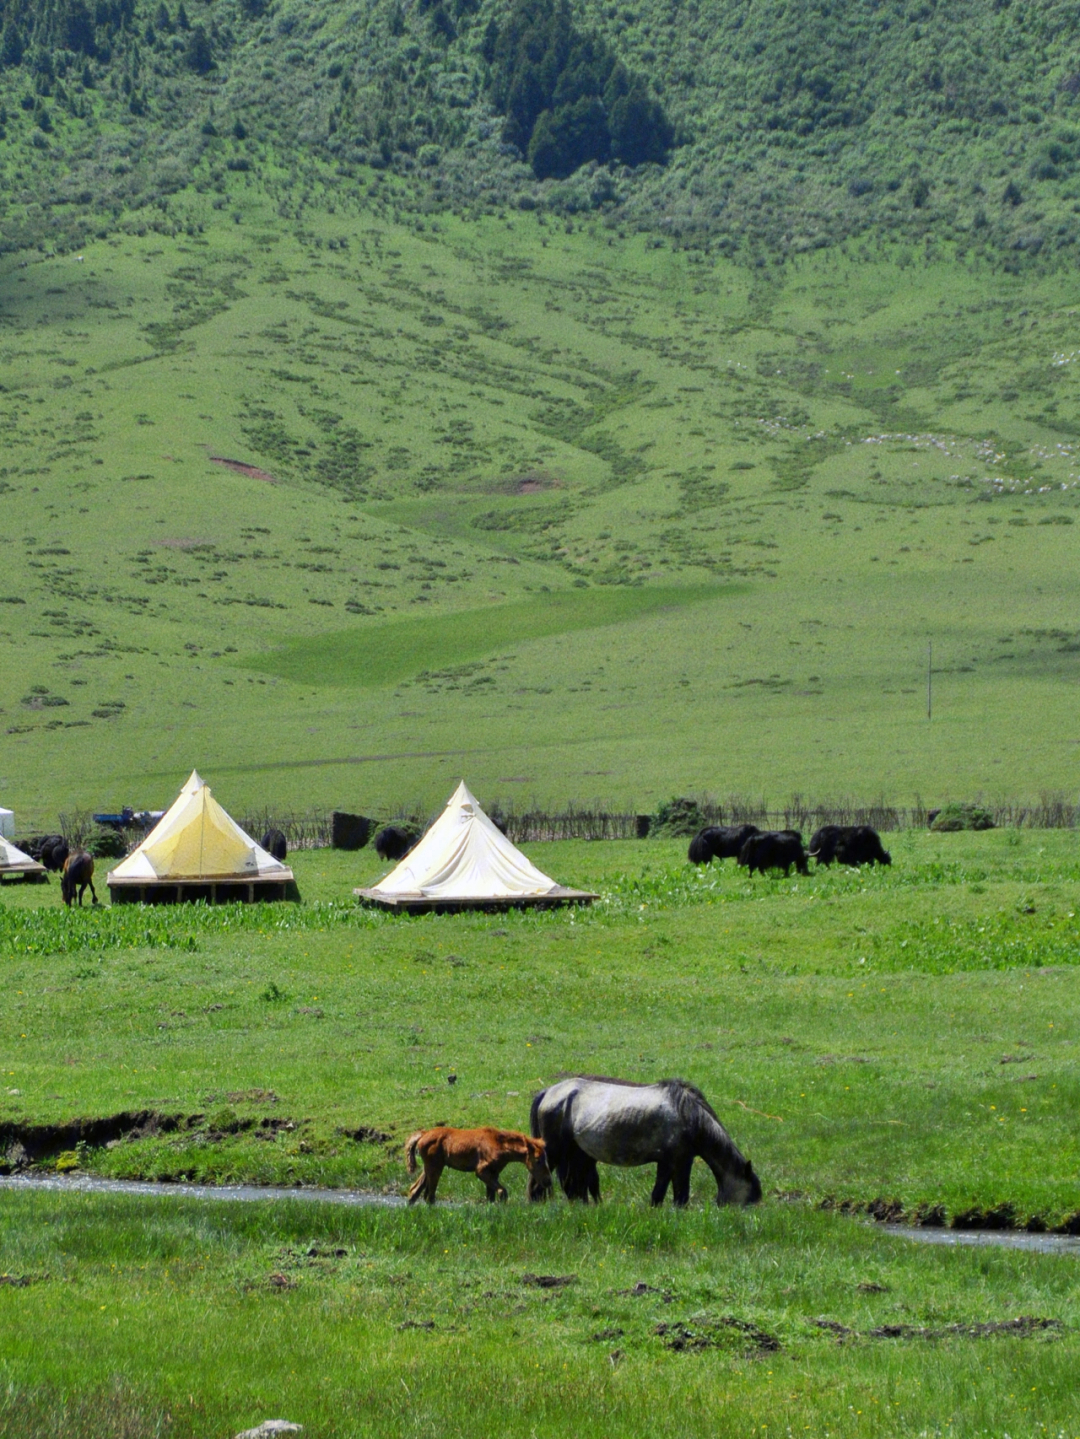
(484,1152)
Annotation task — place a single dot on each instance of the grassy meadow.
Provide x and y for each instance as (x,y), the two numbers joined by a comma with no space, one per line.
(905,1035)
(565,510)
(340,503)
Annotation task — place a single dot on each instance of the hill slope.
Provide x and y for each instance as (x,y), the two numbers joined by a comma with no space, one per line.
(288,500)
(796,123)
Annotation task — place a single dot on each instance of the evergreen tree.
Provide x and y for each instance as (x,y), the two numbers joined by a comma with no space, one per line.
(442,27)
(565,96)
(200,55)
(12,47)
(640,131)
(564,139)
(79,29)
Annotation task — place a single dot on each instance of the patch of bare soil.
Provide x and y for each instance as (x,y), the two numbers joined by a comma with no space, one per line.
(24,1145)
(1022,1327)
(683,1338)
(241,467)
(999,1218)
(532,482)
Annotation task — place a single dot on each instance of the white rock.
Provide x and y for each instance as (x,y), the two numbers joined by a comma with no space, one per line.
(269,1428)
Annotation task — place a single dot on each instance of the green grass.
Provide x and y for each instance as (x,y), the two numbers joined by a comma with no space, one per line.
(906,1034)
(404,649)
(416,1323)
(592,420)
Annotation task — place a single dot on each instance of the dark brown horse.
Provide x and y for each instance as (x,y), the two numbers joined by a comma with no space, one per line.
(78,873)
(484,1152)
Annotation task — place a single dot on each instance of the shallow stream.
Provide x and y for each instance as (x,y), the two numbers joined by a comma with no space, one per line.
(988,1238)
(93,1184)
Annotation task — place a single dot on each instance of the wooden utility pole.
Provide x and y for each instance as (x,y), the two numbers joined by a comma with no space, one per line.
(930,679)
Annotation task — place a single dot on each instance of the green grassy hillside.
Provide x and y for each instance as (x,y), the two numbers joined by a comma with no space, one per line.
(464,455)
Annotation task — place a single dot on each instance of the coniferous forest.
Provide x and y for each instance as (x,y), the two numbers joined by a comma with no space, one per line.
(759,130)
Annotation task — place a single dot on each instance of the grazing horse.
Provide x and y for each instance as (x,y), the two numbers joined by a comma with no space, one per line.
(484,1152)
(78,873)
(669,1124)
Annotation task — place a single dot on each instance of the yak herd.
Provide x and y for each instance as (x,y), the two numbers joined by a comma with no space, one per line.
(762,850)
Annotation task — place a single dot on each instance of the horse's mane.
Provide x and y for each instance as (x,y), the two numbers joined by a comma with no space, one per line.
(688,1099)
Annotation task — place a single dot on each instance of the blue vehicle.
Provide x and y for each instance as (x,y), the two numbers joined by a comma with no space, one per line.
(129,818)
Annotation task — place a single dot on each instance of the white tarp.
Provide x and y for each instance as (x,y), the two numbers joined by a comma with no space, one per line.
(7,824)
(463,856)
(12,858)
(196,839)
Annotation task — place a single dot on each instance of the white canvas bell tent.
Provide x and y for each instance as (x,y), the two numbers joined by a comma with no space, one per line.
(197,851)
(7,823)
(465,862)
(16,865)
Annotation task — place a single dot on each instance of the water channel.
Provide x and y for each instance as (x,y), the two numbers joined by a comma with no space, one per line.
(257,1193)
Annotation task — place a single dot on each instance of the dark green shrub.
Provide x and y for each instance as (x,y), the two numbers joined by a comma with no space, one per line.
(677,818)
(952,818)
(104,842)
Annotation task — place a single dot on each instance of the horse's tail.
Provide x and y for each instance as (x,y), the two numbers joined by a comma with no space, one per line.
(410,1150)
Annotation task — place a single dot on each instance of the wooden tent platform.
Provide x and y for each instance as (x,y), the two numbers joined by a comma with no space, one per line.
(31,873)
(229,890)
(425,904)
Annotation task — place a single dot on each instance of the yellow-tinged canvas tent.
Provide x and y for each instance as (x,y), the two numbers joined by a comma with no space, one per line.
(196,851)
(465,862)
(16,865)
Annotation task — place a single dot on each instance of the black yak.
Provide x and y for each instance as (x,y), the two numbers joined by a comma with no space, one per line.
(852,844)
(776,849)
(273,841)
(393,842)
(719,841)
(53,851)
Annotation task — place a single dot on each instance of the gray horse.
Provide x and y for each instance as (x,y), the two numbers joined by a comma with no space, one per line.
(669,1124)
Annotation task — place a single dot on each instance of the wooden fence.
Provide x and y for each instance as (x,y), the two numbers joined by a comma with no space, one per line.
(311,829)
